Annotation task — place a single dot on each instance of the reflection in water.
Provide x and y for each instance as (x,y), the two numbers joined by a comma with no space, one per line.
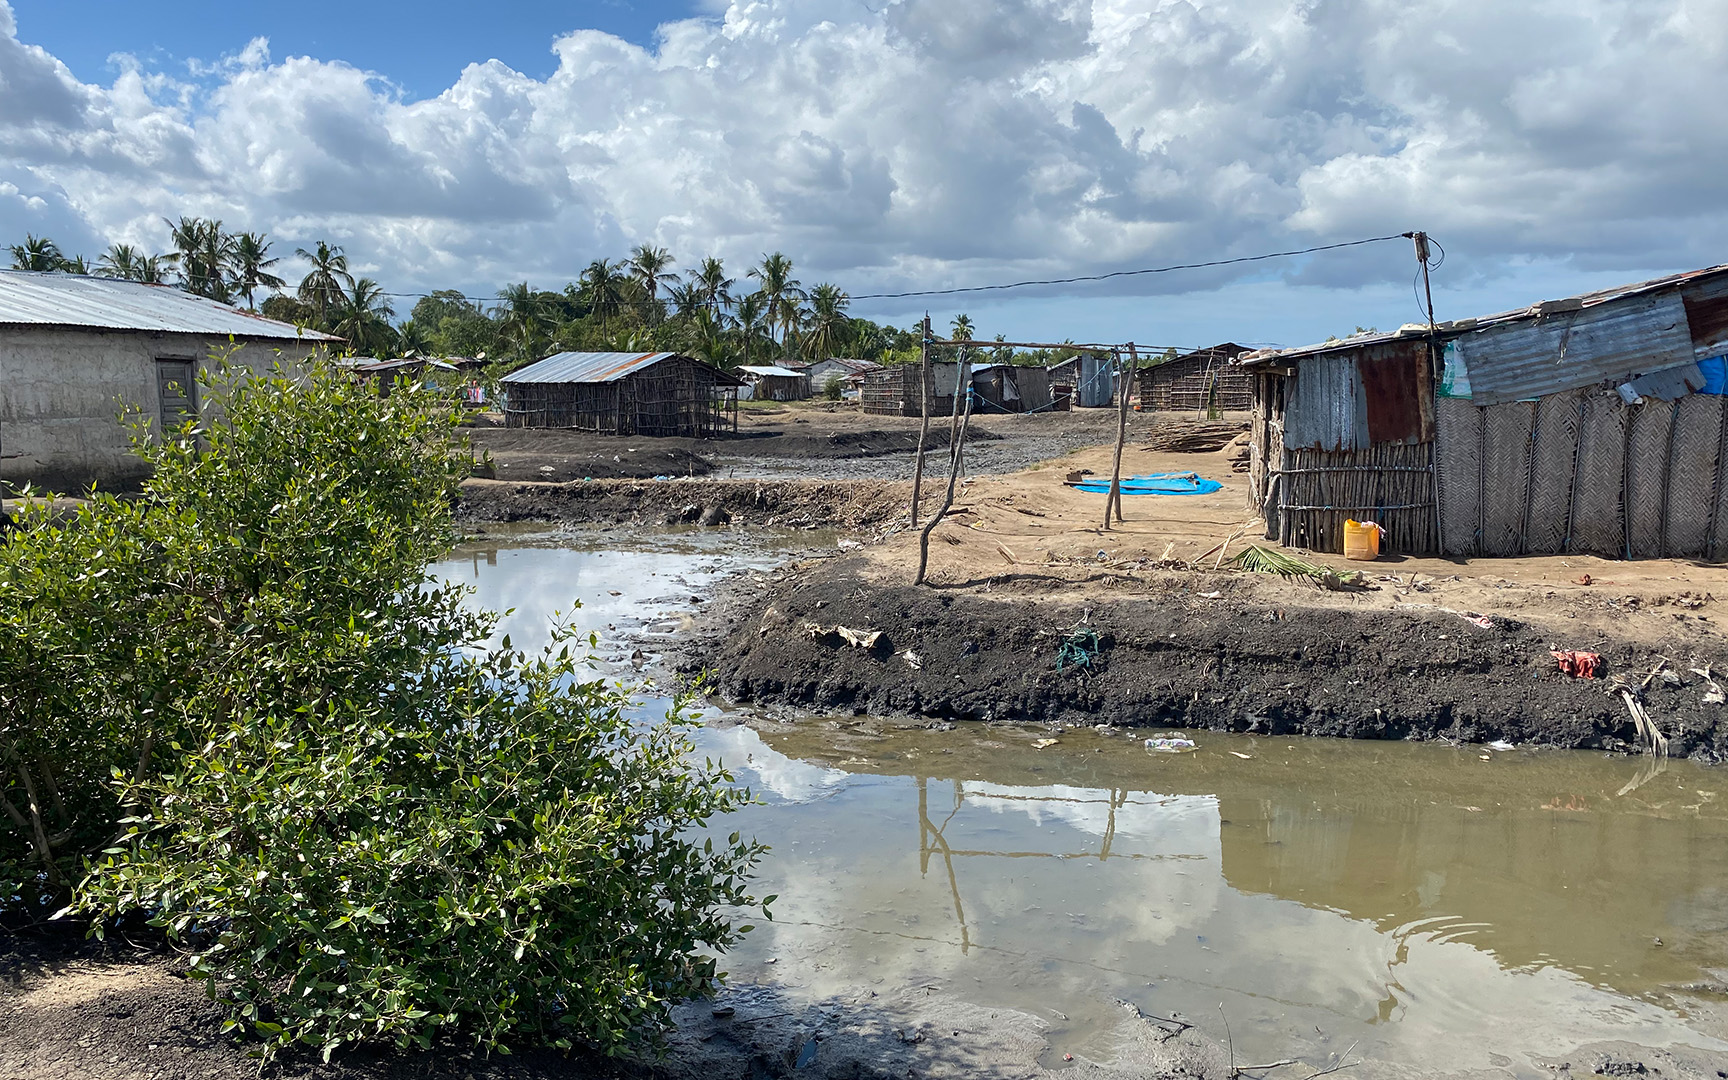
(1443,911)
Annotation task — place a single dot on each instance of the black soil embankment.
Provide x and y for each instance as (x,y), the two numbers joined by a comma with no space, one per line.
(855,504)
(1174,661)
(553,454)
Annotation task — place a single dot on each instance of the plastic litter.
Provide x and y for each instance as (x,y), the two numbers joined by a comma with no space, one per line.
(1171,744)
(1502,745)
(1577,663)
(1186,483)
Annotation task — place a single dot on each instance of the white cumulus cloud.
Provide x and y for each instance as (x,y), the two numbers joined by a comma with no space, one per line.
(930,142)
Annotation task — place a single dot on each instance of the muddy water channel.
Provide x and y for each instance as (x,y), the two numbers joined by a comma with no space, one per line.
(1443,909)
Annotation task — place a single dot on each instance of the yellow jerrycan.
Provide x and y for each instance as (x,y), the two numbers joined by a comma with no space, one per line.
(1361,540)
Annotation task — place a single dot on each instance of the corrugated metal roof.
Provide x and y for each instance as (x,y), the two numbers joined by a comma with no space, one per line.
(1671,384)
(1327,408)
(771,370)
(1607,342)
(71,300)
(371,365)
(1703,286)
(585,367)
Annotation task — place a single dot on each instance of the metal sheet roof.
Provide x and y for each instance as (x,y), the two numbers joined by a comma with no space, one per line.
(1327,408)
(771,370)
(585,367)
(72,300)
(603,367)
(1607,342)
(1702,286)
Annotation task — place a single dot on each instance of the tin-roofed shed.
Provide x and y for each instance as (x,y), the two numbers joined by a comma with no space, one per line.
(1594,424)
(657,394)
(770,382)
(75,349)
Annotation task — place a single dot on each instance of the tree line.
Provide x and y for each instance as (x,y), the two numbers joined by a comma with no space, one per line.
(638,303)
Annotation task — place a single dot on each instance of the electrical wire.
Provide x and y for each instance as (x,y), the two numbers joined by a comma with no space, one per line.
(958,290)
(1131,273)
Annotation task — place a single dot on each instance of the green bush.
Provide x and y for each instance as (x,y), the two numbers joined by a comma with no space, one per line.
(269,733)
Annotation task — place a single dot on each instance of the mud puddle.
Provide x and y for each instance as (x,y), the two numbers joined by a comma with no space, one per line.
(1430,909)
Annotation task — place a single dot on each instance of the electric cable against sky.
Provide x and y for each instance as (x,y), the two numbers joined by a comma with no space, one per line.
(1078,279)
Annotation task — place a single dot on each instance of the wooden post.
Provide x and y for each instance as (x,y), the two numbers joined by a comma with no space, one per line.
(924,426)
(1114,500)
(961,421)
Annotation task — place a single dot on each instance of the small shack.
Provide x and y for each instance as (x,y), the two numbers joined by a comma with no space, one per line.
(850,372)
(75,350)
(1596,424)
(1202,381)
(385,374)
(770,382)
(1011,389)
(656,394)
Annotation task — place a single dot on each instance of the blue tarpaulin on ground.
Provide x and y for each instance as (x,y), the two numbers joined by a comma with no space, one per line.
(1186,483)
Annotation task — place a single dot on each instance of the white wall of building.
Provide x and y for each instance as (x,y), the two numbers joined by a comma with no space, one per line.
(62,392)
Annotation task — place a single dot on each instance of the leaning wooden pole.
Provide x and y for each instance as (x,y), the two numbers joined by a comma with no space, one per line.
(923,427)
(1113,501)
(961,421)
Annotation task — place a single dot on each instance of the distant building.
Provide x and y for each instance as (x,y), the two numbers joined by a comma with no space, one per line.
(1200,381)
(75,350)
(771,382)
(850,372)
(386,374)
(996,388)
(657,394)
(1596,424)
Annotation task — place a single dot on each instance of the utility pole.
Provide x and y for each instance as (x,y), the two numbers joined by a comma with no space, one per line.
(924,410)
(1430,381)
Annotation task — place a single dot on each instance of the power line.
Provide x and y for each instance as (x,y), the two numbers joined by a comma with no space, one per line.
(1132,273)
(533,299)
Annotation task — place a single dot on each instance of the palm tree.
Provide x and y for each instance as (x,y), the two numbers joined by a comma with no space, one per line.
(962,330)
(648,266)
(711,279)
(364,319)
(518,318)
(37,253)
(687,298)
(120,261)
(202,252)
(324,287)
(828,321)
(252,262)
(752,317)
(604,281)
(780,292)
(77,264)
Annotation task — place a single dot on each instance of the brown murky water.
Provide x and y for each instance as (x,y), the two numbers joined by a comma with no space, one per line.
(1437,910)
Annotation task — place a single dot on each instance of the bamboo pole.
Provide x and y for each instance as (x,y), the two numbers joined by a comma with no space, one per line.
(924,427)
(1114,501)
(961,421)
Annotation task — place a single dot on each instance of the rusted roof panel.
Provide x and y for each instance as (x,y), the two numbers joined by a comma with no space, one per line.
(29,298)
(1670,384)
(1707,314)
(1391,390)
(1610,341)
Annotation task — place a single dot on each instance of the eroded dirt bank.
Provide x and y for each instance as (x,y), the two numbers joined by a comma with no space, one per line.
(855,504)
(1176,649)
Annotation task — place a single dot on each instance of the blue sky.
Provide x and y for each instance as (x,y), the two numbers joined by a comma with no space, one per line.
(901,144)
(420,47)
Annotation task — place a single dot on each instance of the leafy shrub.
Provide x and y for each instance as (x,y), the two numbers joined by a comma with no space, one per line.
(294,753)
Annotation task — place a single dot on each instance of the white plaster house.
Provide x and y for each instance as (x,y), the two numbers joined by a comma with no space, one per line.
(75,351)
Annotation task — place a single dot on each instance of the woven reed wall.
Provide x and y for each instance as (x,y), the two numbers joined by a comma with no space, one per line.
(1582,471)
